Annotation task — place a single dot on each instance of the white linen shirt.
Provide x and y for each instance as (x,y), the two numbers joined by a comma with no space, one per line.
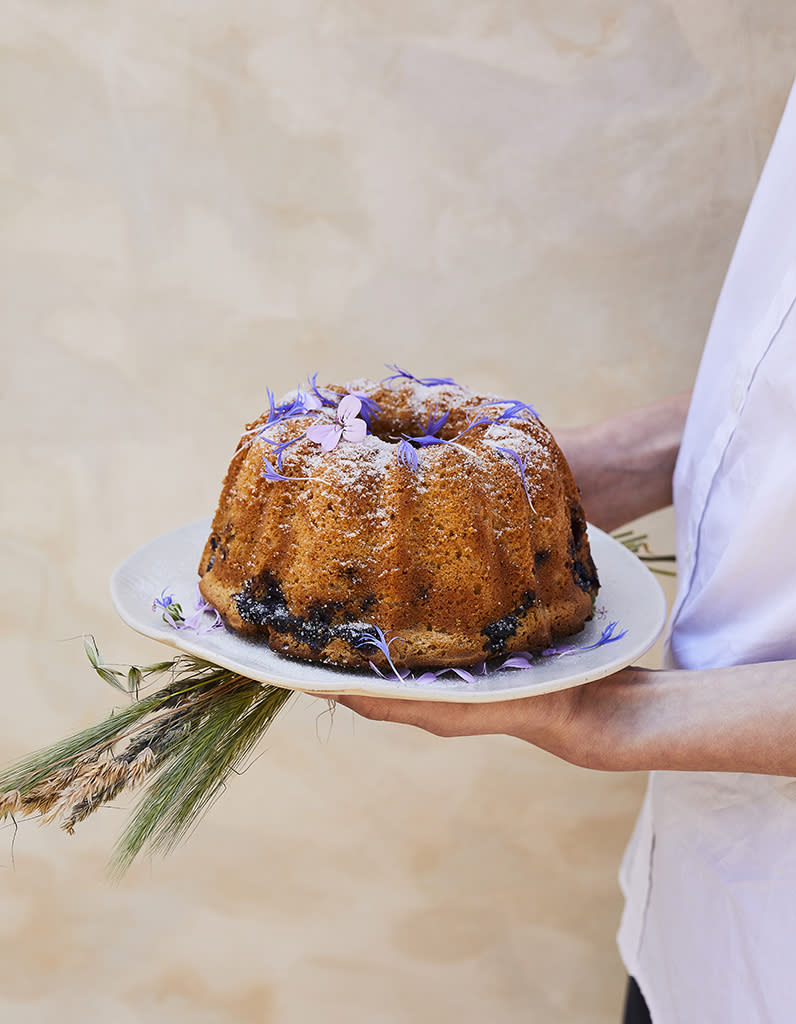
(709,928)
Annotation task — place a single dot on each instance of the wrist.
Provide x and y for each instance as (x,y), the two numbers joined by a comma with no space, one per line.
(602,726)
(624,465)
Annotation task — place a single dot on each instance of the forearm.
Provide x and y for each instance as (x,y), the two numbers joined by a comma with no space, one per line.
(624,465)
(736,719)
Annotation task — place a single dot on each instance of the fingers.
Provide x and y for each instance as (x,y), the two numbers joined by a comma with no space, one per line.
(441,718)
(375,708)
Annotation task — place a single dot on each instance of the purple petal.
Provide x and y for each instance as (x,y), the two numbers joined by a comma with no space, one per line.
(280,448)
(406,455)
(163,601)
(521,467)
(609,636)
(311,402)
(515,456)
(369,407)
(271,473)
(550,652)
(378,640)
(194,622)
(436,421)
(426,440)
(348,408)
(355,430)
(425,381)
(375,639)
(323,399)
(325,434)
(516,409)
(401,675)
(522,659)
(482,421)
(203,606)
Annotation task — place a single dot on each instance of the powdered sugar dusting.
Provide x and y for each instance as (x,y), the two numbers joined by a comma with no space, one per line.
(352,465)
(503,435)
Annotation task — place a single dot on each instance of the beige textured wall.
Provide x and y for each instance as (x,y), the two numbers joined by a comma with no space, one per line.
(199,200)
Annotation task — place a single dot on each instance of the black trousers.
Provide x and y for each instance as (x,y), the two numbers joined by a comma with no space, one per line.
(636,1011)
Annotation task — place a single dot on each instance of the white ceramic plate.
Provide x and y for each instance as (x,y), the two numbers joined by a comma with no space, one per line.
(629,594)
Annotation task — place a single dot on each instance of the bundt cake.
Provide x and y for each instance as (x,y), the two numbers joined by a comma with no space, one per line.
(445,522)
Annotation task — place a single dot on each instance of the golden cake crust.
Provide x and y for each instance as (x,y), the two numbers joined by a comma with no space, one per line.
(455,560)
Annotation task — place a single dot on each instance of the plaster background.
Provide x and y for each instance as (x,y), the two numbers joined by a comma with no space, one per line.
(200,200)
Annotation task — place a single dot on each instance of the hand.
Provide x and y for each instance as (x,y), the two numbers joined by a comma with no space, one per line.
(624,465)
(740,718)
(558,722)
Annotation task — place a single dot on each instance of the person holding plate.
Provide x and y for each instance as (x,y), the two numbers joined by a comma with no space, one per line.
(710,873)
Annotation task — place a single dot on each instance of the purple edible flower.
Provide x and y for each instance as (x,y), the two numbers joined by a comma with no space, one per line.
(427,382)
(313,386)
(430,437)
(170,610)
(406,455)
(522,659)
(378,640)
(298,406)
(346,425)
(436,422)
(426,440)
(199,621)
(307,401)
(280,447)
(272,474)
(515,456)
(370,408)
(517,660)
(401,675)
(515,409)
(304,402)
(482,421)
(163,601)
(272,414)
(521,466)
(609,636)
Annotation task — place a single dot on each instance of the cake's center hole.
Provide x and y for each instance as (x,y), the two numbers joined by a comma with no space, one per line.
(393,426)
